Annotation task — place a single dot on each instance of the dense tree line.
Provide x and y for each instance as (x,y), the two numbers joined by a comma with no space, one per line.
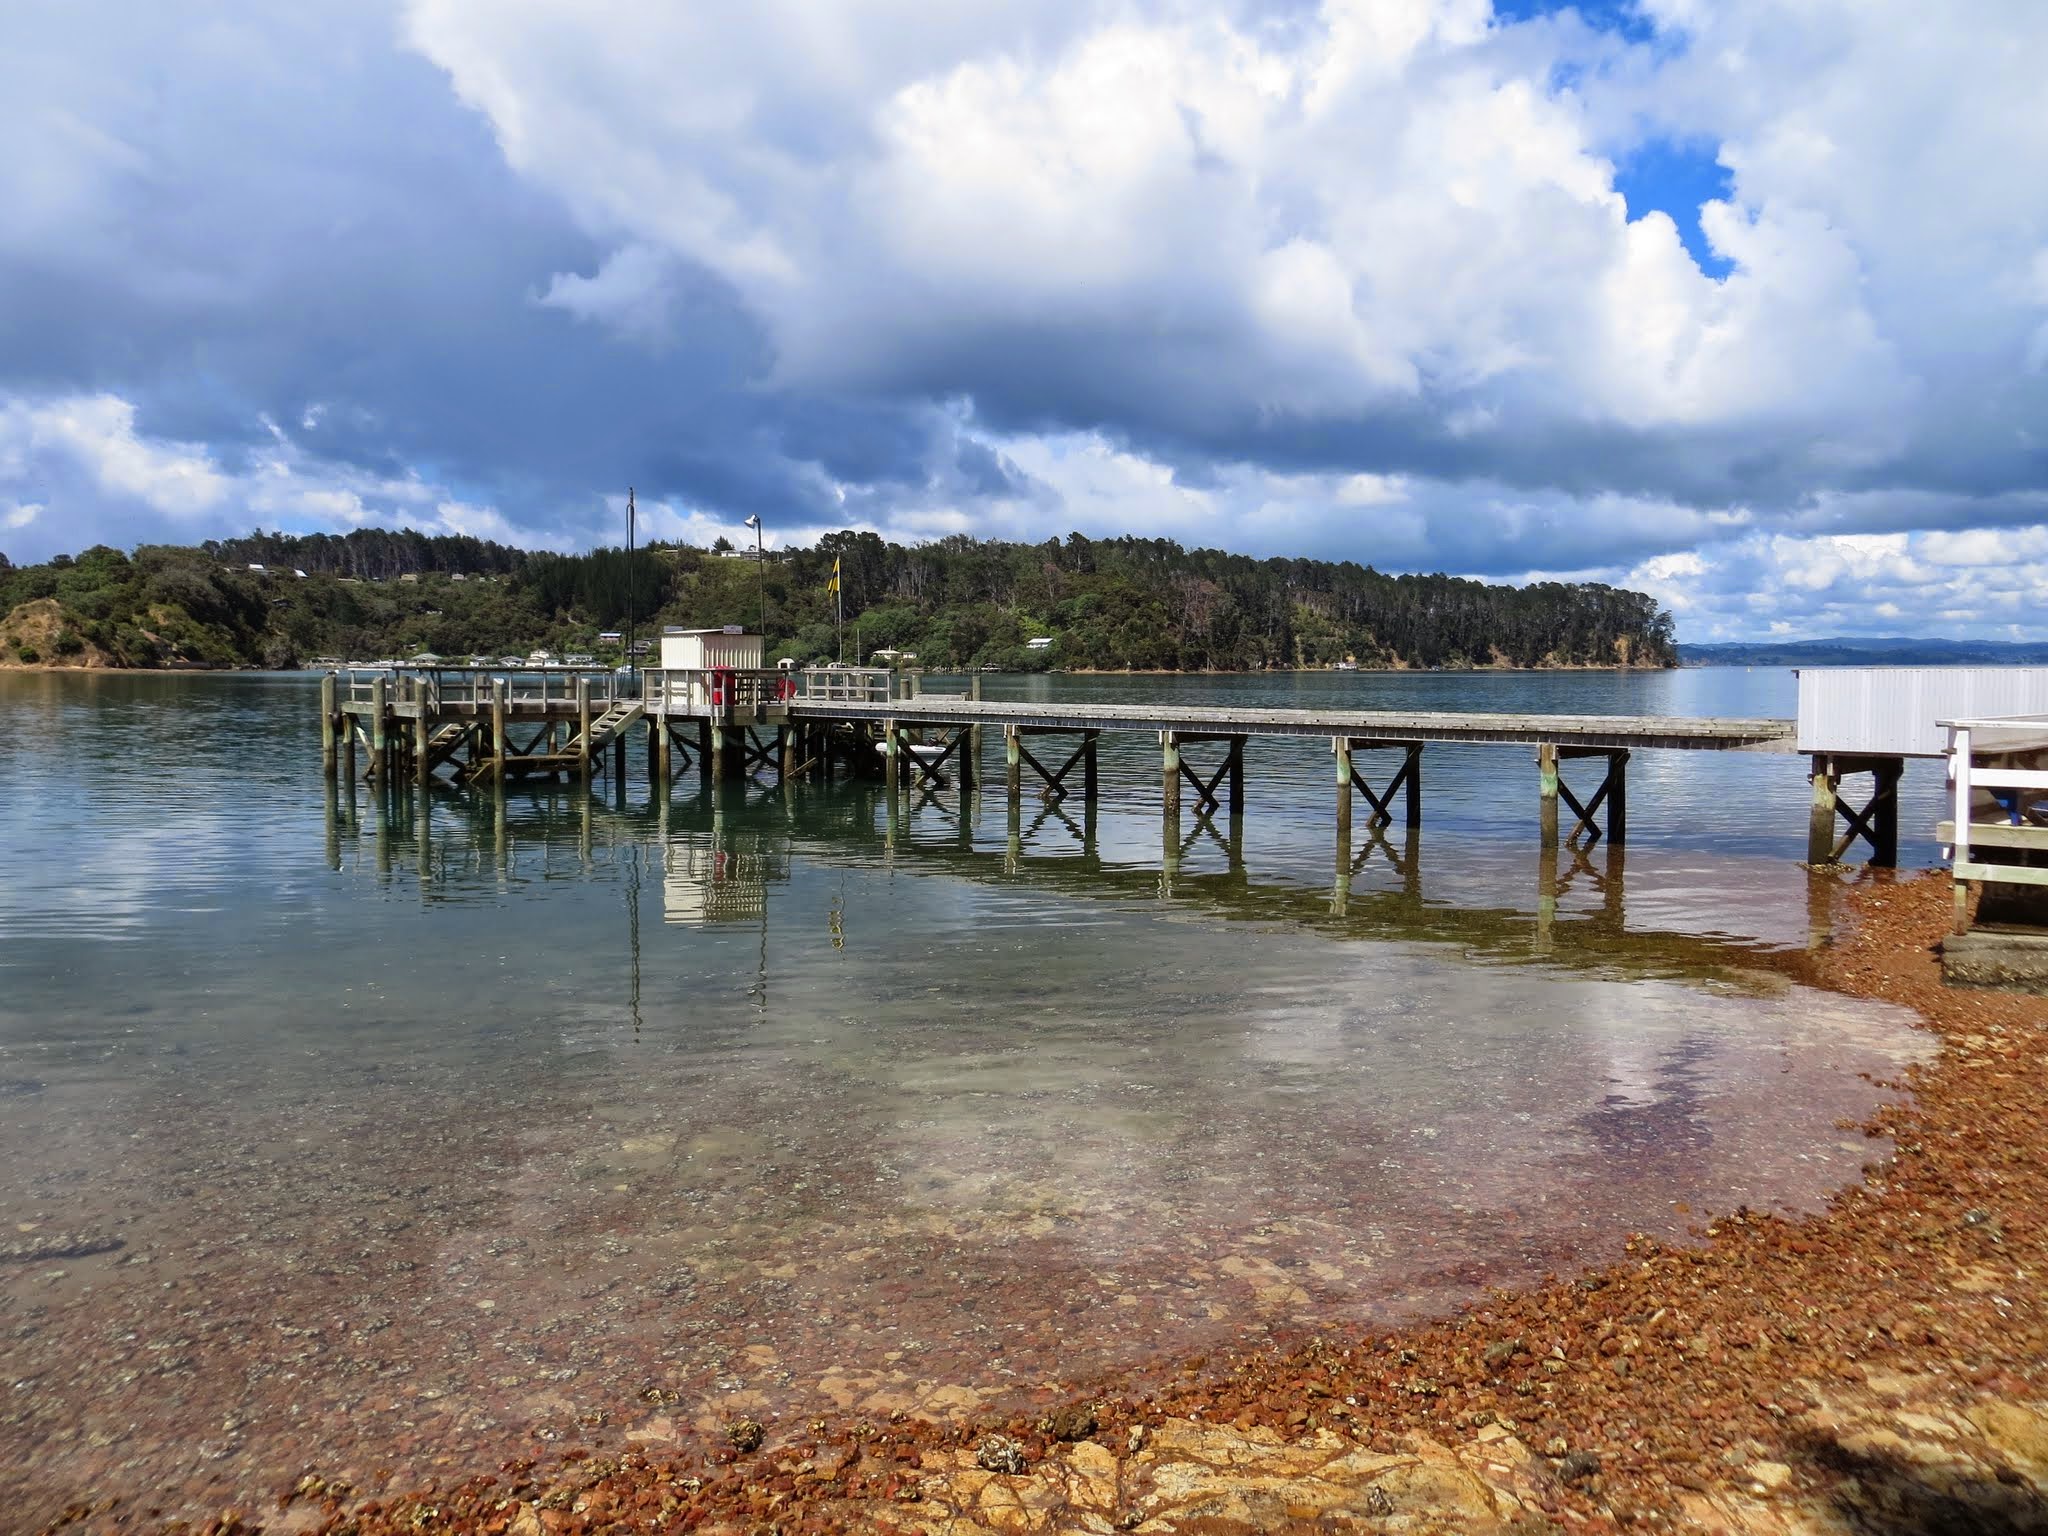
(1102,603)
(371,554)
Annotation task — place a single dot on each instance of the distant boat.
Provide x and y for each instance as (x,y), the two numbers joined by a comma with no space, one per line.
(1345,666)
(924,750)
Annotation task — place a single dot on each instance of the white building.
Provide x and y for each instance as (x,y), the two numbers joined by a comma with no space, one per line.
(702,650)
(1039,643)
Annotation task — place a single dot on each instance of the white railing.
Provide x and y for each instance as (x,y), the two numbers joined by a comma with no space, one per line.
(442,688)
(1998,765)
(704,691)
(710,690)
(845,685)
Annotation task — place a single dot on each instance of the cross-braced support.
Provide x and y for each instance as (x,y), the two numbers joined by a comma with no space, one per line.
(923,768)
(1612,795)
(755,754)
(1177,768)
(1016,756)
(1407,778)
(1877,823)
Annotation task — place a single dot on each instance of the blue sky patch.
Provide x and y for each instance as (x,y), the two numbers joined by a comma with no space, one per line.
(1676,175)
(1620,17)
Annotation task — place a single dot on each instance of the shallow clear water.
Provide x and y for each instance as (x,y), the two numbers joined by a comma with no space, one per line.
(438,1129)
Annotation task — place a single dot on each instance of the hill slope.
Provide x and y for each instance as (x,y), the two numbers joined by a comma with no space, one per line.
(279,600)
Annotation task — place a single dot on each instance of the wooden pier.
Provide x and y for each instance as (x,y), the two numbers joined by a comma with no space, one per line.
(433,725)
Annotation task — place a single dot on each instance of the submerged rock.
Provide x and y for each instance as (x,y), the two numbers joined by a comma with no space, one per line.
(1076,1421)
(998,1454)
(746,1435)
(58,1245)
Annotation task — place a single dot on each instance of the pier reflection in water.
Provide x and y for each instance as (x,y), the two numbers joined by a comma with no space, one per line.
(473,1125)
(719,852)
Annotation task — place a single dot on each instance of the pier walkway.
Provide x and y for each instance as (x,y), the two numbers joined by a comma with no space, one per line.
(432,724)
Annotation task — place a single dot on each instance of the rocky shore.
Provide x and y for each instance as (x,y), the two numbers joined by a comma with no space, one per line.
(1881,1367)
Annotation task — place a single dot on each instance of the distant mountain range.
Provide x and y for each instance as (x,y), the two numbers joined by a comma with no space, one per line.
(1862,651)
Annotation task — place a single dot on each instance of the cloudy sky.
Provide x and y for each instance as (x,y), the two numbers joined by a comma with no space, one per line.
(1741,301)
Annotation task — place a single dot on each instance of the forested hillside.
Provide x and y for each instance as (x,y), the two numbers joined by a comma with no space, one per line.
(1104,603)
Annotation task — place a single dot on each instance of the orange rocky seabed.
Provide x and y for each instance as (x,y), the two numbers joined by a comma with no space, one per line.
(1878,1367)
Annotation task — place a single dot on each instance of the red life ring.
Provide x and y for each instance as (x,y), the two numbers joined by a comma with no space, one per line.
(785,687)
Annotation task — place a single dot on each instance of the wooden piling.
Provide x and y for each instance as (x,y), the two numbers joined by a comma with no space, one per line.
(891,748)
(328,720)
(1169,752)
(1546,789)
(974,731)
(1341,746)
(968,766)
(785,740)
(1884,835)
(380,744)
(1820,821)
(658,744)
(499,747)
(1236,777)
(1414,799)
(714,751)
(583,729)
(1340,889)
(1617,800)
(1013,766)
(1089,780)
(422,731)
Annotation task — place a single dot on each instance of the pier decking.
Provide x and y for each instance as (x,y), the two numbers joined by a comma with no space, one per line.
(430,724)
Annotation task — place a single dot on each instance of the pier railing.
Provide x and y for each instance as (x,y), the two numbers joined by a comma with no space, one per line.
(470,688)
(699,691)
(845,685)
(1998,780)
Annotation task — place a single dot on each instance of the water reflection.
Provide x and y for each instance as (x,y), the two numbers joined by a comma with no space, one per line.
(718,854)
(426,1133)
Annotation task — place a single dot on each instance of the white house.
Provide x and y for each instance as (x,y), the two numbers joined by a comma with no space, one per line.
(1039,643)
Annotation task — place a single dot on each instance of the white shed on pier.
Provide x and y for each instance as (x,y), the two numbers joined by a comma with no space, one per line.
(1896,711)
(702,650)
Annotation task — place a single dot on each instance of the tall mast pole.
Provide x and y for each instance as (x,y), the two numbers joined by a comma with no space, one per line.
(630,515)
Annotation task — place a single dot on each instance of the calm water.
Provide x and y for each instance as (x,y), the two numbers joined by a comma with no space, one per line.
(401,1136)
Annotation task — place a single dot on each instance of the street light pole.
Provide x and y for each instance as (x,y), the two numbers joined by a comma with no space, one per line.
(760,577)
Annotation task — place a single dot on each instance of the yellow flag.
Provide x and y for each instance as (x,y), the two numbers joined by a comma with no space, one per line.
(833,584)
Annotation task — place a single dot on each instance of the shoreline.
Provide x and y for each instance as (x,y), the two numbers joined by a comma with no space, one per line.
(1882,1362)
(196,669)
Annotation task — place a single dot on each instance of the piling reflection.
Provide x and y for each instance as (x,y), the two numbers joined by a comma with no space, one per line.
(718,850)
